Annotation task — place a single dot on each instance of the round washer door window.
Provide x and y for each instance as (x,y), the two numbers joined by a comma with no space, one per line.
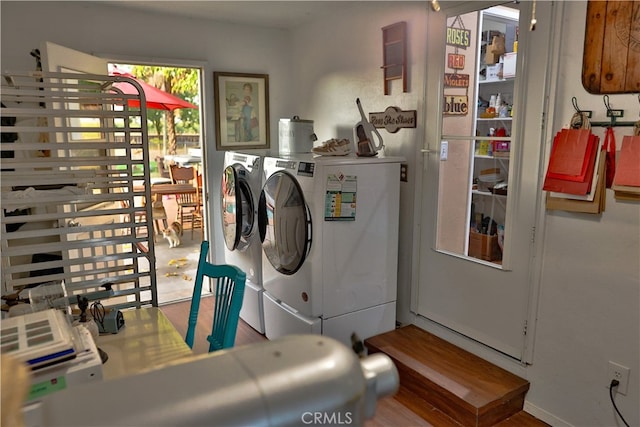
(237,209)
(284,222)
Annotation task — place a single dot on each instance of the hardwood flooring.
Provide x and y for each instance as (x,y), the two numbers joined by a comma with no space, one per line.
(178,313)
(391,411)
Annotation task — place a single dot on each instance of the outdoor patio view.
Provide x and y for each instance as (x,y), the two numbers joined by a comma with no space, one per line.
(173,122)
(173,110)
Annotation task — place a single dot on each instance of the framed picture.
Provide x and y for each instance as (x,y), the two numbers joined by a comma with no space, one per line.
(242,110)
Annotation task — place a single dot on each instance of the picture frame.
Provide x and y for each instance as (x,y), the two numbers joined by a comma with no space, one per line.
(242,110)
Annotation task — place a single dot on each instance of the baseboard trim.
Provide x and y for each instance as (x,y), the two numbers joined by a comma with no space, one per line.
(545,416)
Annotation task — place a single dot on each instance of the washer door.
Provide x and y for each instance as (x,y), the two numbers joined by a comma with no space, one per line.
(237,208)
(284,222)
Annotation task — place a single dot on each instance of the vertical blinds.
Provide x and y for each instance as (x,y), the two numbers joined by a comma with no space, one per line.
(75,186)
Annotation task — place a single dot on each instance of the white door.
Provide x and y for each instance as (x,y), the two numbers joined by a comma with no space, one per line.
(56,58)
(60,59)
(486,301)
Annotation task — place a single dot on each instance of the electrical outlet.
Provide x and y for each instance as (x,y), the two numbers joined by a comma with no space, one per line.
(620,373)
(403,172)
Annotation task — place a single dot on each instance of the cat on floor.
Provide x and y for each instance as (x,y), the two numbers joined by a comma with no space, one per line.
(173,234)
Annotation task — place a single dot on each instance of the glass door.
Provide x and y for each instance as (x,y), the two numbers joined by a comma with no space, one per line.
(237,208)
(479,89)
(284,222)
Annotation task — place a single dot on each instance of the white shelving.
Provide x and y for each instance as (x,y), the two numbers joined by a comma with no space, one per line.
(497,130)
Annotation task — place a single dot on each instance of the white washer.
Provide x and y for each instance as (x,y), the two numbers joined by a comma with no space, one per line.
(329,232)
(241,183)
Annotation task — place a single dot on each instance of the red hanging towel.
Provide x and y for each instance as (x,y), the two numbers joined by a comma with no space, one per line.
(609,147)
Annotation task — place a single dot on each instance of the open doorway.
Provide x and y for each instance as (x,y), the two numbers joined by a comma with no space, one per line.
(175,140)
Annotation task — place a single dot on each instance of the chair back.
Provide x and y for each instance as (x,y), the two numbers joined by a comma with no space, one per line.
(227,301)
(162,168)
(181,175)
(184,175)
(197,181)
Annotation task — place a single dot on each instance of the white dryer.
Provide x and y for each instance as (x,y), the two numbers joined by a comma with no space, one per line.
(329,232)
(241,184)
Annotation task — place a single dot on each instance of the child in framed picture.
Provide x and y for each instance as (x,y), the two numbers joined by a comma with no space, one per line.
(249,119)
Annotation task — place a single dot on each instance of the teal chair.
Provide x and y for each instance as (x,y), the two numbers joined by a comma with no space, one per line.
(229,292)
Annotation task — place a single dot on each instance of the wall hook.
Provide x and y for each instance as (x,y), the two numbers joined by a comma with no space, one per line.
(605,98)
(580,119)
(574,101)
(579,110)
(611,113)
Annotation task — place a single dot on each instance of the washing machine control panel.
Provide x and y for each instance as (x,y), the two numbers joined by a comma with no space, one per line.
(298,168)
(306,169)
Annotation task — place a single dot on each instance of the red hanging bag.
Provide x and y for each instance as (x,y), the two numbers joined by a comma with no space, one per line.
(609,147)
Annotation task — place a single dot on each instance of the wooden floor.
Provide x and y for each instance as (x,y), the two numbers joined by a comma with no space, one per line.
(178,313)
(390,411)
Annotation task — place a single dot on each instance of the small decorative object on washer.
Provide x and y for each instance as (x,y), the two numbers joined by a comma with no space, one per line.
(333,147)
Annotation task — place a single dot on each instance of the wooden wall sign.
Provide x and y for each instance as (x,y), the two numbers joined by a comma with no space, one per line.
(455,61)
(611,61)
(393,118)
(456,80)
(456,105)
(458,37)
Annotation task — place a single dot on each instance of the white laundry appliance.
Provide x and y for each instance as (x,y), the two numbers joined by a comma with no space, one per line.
(329,232)
(241,184)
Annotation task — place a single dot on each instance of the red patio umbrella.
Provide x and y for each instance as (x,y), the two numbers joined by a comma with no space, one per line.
(156,99)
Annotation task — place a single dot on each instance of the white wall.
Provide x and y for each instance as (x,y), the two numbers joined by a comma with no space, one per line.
(339,60)
(589,299)
(589,285)
(589,303)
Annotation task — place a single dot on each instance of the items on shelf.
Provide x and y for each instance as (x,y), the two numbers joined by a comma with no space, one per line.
(495,50)
(484,240)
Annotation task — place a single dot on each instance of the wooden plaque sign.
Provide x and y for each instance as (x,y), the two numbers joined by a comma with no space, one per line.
(393,118)
(611,61)
(455,105)
(456,80)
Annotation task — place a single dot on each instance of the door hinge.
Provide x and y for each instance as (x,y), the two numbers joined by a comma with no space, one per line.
(533,235)
(524,330)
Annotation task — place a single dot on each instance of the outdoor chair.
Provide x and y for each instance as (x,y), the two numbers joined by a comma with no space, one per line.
(198,219)
(188,204)
(159,216)
(227,301)
(162,168)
